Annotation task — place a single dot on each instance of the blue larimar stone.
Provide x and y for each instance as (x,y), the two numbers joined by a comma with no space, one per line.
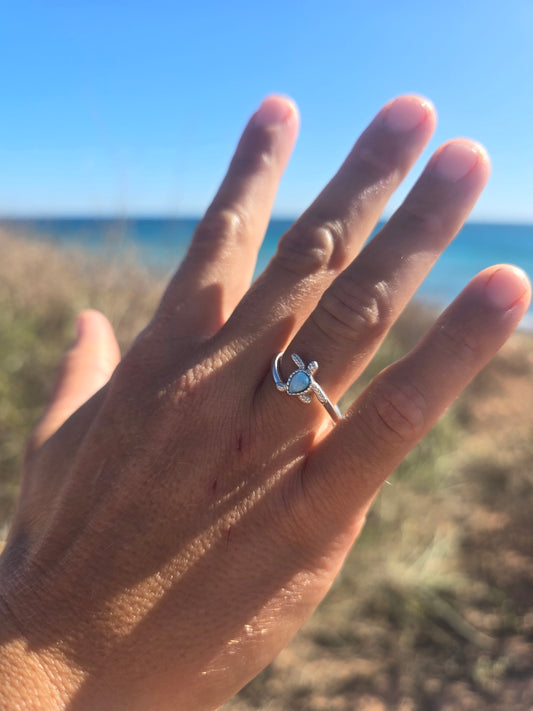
(299,382)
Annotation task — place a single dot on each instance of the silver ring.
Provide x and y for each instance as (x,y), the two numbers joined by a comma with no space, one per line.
(301,383)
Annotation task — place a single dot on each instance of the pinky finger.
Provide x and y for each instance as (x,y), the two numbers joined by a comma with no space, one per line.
(348,467)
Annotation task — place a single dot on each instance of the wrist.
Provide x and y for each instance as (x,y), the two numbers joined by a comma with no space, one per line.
(31,675)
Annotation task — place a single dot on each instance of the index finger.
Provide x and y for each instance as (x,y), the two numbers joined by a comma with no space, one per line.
(220,262)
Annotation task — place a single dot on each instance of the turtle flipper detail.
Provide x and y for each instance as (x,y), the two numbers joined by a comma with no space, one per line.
(321,395)
(299,362)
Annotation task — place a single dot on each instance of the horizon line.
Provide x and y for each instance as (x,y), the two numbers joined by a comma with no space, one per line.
(125,217)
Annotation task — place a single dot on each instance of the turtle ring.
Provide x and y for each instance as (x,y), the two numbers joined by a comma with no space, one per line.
(302,384)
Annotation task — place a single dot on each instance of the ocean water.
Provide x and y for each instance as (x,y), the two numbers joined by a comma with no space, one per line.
(162,243)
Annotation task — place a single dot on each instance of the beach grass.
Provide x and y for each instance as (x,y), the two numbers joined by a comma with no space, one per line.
(433,608)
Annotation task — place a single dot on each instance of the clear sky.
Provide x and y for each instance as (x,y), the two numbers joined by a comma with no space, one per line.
(130,107)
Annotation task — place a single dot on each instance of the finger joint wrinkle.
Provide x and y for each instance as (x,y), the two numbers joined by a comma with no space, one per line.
(310,248)
(352,308)
(401,409)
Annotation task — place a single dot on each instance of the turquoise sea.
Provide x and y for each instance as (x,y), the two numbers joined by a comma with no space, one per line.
(162,242)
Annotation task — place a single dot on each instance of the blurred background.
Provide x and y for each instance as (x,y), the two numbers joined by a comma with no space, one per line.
(117,123)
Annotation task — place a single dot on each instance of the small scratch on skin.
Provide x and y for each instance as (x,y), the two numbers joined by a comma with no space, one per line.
(239,444)
(214,485)
(228,536)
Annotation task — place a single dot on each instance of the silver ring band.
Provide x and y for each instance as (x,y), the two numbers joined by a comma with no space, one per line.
(301,383)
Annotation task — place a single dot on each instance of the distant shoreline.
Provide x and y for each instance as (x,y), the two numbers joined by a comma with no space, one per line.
(133,217)
(161,242)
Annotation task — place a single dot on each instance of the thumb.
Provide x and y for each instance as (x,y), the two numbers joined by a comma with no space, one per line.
(86,367)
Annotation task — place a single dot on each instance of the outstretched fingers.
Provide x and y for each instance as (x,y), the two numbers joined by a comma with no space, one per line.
(324,240)
(346,469)
(357,310)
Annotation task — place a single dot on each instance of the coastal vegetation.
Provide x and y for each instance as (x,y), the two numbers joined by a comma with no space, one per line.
(433,608)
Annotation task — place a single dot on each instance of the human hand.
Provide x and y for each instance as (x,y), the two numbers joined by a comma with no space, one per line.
(178,528)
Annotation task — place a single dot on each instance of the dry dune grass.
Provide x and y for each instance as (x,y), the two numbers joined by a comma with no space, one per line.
(434,607)
(41,291)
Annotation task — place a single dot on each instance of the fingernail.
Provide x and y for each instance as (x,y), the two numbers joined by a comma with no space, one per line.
(457,159)
(274,110)
(506,286)
(406,113)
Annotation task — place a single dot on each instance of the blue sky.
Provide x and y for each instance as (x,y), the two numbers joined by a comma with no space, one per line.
(135,107)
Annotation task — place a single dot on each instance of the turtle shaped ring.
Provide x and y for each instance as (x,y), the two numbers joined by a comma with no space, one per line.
(301,383)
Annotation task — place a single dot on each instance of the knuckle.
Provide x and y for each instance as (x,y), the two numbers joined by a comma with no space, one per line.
(218,225)
(352,309)
(399,411)
(376,165)
(459,341)
(308,247)
(420,217)
(259,159)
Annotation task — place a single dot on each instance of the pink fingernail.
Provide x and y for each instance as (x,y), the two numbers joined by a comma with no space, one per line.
(457,159)
(506,286)
(406,113)
(274,110)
